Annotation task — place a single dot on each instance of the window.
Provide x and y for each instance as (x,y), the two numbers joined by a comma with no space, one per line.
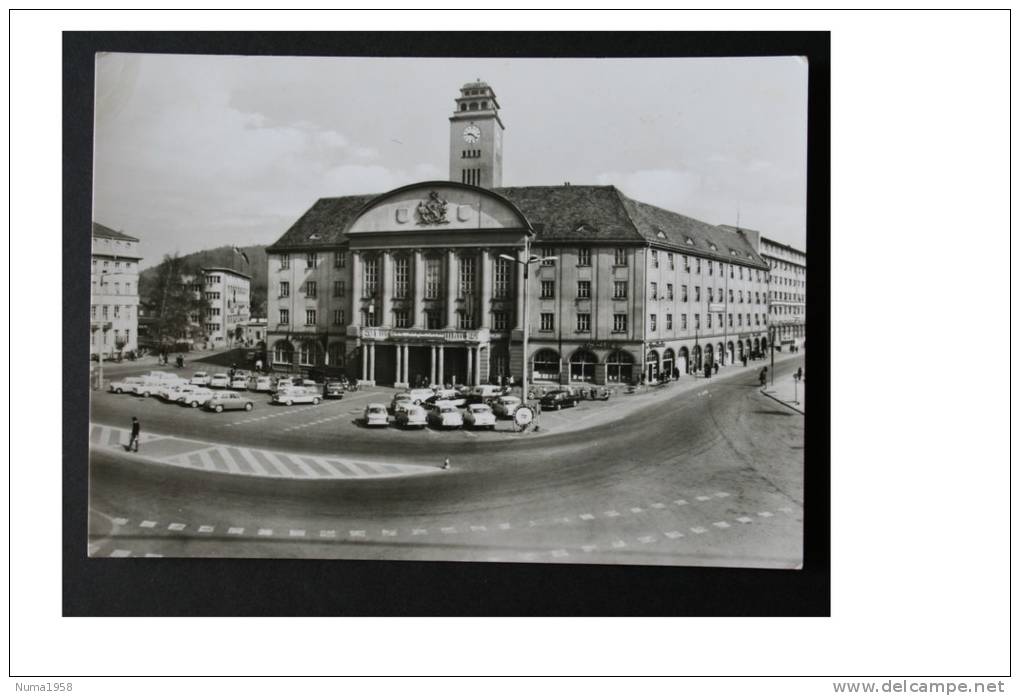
(309,317)
(697,293)
(312,259)
(501,284)
(731,270)
(338,317)
(697,321)
(619,289)
(740,320)
(584,256)
(711,295)
(467,275)
(546,365)
(371,270)
(339,288)
(710,268)
(620,257)
(669,256)
(106,312)
(720,268)
(93,311)
(434,319)
(401,276)
(311,289)
(708,319)
(654,291)
(619,323)
(547,255)
(757,322)
(116,288)
(697,265)
(584,323)
(669,322)
(127,288)
(369,317)
(284,289)
(687,264)
(741,297)
(284,316)
(731,296)
(748,319)
(584,289)
(213,311)
(499,321)
(669,291)
(548,289)
(683,293)
(465,320)
(655,258)
(546,321)
(433,278)
(741,272)
(683,322)
(116,311)
(619,366)
(730,320)
(652,322)
(340,259)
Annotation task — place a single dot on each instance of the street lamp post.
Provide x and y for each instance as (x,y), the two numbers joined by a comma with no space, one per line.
(526,263)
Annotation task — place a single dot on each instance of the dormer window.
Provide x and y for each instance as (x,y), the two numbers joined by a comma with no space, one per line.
(314,236)
(660,234)
(689,241)
(712,247)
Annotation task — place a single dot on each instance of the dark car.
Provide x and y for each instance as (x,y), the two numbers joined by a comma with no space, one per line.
(555,400)
(334,389)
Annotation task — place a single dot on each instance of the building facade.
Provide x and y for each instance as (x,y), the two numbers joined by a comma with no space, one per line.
(228,293)
(787,293)
(114,310)
(425,283)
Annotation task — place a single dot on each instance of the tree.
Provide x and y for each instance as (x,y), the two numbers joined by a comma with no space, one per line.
(172,302)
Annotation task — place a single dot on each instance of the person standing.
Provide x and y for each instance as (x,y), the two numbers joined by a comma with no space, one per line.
(136,430)
(800,373)
(762,376)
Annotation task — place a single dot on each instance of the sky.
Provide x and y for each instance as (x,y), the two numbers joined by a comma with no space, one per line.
(193,152)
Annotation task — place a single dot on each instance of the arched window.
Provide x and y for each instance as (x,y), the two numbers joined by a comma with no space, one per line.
(582,366)
(336,353)
(463,107)
(474,106)
(546,365)
(310,353)
(619,366)
(283,352)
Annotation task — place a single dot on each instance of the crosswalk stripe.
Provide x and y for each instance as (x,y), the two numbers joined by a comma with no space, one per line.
(228,461)
(252,461)
(279,465)
(328,466)
(313,464)
(307,470)
(203,457)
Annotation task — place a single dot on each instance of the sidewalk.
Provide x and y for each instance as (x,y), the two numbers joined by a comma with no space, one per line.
(788,392)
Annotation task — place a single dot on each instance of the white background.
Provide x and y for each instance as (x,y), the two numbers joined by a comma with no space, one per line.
(920,460)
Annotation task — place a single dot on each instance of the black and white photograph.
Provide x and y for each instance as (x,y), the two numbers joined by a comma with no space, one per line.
(508,310)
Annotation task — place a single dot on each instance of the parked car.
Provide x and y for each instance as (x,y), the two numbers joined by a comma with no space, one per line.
(506,406)
(560,398)
(480,416)
(445,396)
(239,381)
(201,379)
(125,385)
(264,383)
(220,380)
(446,415)
(166,389)
(196,397)
(400,401)
(375,414)
(486,391)
(146,387)
(175,392)
(334,389)
(411,416)
(229,401)
(296,395)
(418,396)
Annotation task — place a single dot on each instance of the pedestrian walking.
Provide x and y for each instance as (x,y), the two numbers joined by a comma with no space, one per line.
(800,373)
(762,376)
(136,430)
(715,368)
(258,365)
(708,370)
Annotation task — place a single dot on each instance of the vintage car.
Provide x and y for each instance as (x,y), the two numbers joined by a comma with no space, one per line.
(201,379)
(557,399)
(480,416)
(446,415)
(400,401)
(220,380)
(229,401)
(418,396)
(297,395)
(240,380)
(196,397)
(506,406)
(334,389)
(411,416)
(264,383)
(125,385)
(375,414)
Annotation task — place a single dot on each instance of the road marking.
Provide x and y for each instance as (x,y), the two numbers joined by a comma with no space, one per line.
(148,524)
(764,514)
(207,462)
(418,531)
(176,526)
(504,525)
(703,498)
(588,548)
(673,535)
(744,520)
(235,530)
(448,530)
(327,533)
(119,553)
(206,529)
(389,532)
(560,553)
(637,510)
(619,544)
(154,555)
(479,528)
(297,532)
(586,516)
(721,525)
(698,530)
(357,533)
(120,521)
(646,539)
(252,461)
(680,502)
(722,495)
(265,532)
(787,510)
(658,506)
(225,455)
(612,513)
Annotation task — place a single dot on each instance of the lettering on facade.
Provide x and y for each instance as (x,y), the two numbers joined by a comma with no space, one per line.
(603,345)
(433,210)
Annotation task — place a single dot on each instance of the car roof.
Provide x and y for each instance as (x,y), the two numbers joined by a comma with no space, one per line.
(376,405)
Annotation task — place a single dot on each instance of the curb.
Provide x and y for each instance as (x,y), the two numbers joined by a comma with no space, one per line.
(784,403)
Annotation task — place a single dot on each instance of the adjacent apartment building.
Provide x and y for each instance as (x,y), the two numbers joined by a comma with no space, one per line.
(425,283)
(114,306)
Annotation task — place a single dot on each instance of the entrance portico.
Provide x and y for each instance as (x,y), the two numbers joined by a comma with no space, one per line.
(406,357)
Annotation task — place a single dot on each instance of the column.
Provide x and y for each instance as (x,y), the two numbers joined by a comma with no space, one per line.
(399,354)
(519,289)
(371,362)
(387,289)
(451,290)
(357,274)
(479,372)
(364,362)
(442,373)
(486,274)
(407,372)
(468,376)
(418,301)
(432,365)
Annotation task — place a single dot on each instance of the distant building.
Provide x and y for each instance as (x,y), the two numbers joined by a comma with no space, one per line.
(228,293)
(255,333)
(114,318)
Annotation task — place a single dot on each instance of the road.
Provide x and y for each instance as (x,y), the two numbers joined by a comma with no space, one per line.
(712,476)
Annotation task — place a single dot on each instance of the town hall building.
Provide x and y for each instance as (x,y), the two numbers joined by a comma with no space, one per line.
(425,283)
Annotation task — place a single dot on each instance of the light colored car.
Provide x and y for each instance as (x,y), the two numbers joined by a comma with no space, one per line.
(263,383)
(196,397)
(229,401)
(220,380)
(480,416)
(411,416)
(446,415)
(418,396)
(174,392)
(201,379)
(506,406)
(239,381)
(167,388)
(147,387)
(375,414)
(401,400)
(297,395)
(486,391)
(125,385)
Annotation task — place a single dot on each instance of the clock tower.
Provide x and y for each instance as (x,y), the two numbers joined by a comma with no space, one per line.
(476,137)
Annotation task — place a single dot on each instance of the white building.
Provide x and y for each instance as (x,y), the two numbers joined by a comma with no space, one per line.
(228,293)
(114,318)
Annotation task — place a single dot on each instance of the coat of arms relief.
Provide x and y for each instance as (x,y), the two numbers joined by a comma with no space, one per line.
(432,211)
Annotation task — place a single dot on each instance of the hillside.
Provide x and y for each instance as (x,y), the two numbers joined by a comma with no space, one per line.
(223,257)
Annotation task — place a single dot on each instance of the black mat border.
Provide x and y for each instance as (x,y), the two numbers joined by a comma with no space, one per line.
(232,587)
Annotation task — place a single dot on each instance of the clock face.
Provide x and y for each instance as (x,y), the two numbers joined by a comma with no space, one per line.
(472,134)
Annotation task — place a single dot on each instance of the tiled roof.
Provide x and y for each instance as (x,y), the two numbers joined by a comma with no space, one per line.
(104,231)
(558,214)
